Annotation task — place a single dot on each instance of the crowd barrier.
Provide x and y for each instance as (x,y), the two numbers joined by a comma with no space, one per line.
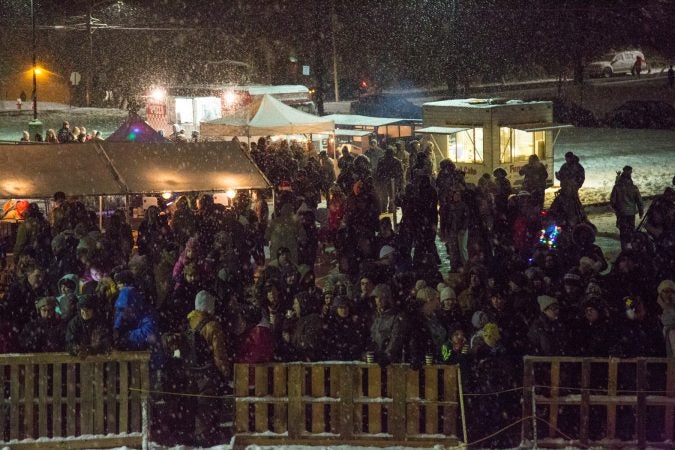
(345,403)
(71,402)
(610,402)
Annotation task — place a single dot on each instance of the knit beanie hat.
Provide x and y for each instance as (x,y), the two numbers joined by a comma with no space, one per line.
(545,301)
(479,319)
(491,332)
(426,294)
(206,302)
(448,293)
(666,285)
(46,301)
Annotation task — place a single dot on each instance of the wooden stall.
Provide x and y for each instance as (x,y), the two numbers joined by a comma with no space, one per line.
(71,402)
(345,403)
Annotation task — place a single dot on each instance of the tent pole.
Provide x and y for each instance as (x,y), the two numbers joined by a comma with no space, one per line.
(100,213)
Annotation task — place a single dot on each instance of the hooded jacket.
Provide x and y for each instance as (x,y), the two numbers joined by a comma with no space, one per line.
(213,334)
(137,328)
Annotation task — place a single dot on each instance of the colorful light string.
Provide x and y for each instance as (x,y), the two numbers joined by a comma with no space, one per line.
(549,236)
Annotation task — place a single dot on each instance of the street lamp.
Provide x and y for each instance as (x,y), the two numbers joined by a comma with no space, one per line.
(34,126)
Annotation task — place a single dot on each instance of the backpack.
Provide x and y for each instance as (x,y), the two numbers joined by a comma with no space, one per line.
(197,354)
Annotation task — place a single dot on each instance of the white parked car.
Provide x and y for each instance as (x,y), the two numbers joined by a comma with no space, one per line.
(616,63)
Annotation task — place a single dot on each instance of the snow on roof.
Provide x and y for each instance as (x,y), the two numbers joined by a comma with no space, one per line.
(482,102)
(355,120)
(440,130)
(343,132)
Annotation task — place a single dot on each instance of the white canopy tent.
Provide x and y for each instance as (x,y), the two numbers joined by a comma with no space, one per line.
(266,116)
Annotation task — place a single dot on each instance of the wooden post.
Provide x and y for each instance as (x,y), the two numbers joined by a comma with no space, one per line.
(641,425)
(554,393)
(528,398)
(347,375)
(431,395)
(670,393)
(318,409)
(261,423)
(43,379)
(14,401)
(70,399)
(450,395)
(86,398)
(296,410)
(612,382)
(124,397)
(461,405)
(241,390)
(397,386)
(585,400)
(3,411)
(374,391)
(111,396)
(57,390)
(29,396)
(280,389)
(413,409)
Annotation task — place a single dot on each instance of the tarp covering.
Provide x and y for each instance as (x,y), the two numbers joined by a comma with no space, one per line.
(207,166)
(266,116)
(135,129)
(37,171)
(440,130)
(110,168)
(355,120)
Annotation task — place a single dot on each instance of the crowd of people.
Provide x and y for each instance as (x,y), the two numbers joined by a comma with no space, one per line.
(65,135)
(202,285)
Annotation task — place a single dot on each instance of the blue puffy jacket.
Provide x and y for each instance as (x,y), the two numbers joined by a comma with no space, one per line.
(135,324)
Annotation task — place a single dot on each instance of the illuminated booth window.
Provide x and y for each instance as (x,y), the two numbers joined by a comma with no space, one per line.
(517,145)
(208,108)
(184,111)
(466,146)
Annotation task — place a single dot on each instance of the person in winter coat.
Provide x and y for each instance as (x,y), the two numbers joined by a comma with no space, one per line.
(183,221)
(637,333)
(255,341)
(67,300)
(535,174)
(547,335)
(346,160)
(34,236)
(327,172)
(135,325)
(388,330)
(389,172)
(47,333)
(592,334)
(571,174)
(22,295)
(374,154)
(64,135)
(626,201)
(87,332)
(402,155)
(346,338)
(285,230)
(118,241)
(306,339)
(666,300)
(456,221)
(208,369)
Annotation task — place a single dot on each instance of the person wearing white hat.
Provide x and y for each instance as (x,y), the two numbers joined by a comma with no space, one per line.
(546,335)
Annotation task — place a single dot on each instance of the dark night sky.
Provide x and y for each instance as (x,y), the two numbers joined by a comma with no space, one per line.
(415,42)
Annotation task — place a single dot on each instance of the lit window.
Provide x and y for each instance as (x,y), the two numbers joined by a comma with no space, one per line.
(184,111)
(517,145)
(208,108)
(466,146)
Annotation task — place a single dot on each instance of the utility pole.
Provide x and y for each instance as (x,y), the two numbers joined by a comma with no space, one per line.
(91,56)
(34,126)
(335,71)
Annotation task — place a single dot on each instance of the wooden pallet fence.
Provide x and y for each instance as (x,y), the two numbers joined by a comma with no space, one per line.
(610,401)
(58,396)
(347,403)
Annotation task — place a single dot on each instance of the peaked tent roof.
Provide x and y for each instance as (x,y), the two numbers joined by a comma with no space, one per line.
(39,170)
(265,116)
(204,166)
(135,129)
(116,168)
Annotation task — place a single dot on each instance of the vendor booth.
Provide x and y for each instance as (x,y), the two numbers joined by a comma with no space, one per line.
(356,130)
(112,171)
(267,116)
(481,135)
